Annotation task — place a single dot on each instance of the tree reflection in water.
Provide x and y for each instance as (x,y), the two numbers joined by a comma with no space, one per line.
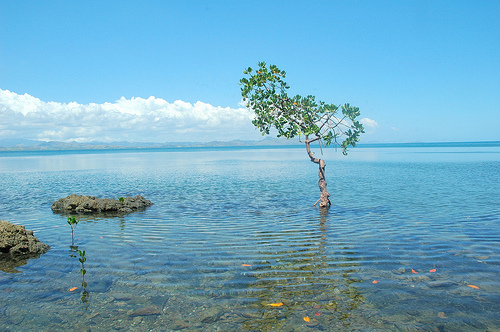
(311,277)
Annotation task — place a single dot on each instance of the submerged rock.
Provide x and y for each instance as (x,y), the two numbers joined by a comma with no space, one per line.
(17,245)
(146,311)
(91,204)
(210,315)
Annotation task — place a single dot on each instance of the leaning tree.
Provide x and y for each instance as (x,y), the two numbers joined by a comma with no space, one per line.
(265,92)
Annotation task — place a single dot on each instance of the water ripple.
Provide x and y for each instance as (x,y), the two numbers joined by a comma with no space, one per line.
(239,233)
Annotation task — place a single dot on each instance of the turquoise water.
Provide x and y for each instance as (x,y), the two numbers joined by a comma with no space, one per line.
(233,231)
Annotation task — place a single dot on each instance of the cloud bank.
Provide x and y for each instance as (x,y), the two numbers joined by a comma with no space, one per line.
(134,120)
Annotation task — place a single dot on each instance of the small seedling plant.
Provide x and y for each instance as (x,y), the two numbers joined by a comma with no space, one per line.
(72,222)
(83,271)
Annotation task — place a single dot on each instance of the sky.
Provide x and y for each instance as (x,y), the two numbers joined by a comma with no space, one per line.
(168,71)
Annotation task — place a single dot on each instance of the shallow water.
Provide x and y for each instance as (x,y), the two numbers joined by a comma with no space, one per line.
(233,231)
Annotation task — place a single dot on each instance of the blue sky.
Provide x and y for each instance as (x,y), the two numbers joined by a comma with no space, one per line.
(169,70)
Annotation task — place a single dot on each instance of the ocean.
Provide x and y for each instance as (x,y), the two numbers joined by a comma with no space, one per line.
(234,243)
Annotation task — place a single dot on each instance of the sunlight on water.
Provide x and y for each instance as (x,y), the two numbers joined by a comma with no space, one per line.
(233,243)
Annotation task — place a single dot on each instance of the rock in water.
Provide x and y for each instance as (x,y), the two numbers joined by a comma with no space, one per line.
(17,245)
(210,315)
(91,204)
(147,311)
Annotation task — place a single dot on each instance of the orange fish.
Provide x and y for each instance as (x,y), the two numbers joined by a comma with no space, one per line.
(433,270)
(412,270)
(246,265)
(276,304)
(374,281)
(73,288)
(307,319)
(473,286)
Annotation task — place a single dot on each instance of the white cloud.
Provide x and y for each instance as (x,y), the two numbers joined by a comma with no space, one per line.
(369,123)
(136,119)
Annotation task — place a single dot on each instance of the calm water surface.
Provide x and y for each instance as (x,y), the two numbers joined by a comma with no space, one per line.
(233,242)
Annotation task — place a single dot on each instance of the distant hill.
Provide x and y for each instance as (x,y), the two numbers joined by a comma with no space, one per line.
(17,142)
(33,145)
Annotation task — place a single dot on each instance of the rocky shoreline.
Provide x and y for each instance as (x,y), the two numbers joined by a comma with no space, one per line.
(17,245)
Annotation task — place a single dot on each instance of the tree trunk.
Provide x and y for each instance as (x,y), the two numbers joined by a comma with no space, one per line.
(324,200)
